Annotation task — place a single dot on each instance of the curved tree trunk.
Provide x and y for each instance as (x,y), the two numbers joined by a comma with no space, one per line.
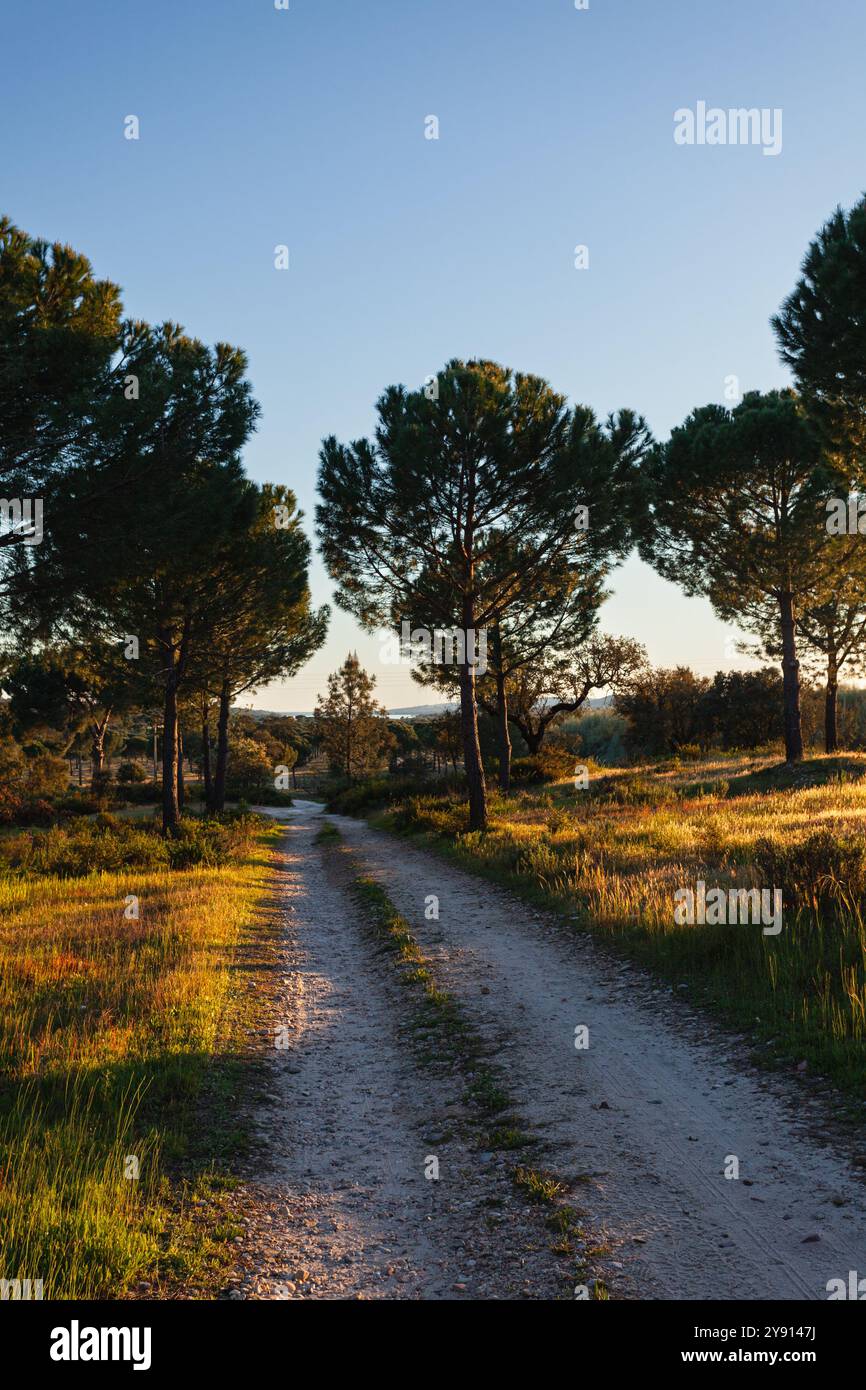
(97,755)
(534,739)
(98,730)
(790,680)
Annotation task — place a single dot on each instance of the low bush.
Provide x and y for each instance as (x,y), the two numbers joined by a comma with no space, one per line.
(821,871)
(109,844)
(632,790)
(145,793)
(436,815)
(552,764)
(130,772)
(259,795)
(382,791)
(16,810)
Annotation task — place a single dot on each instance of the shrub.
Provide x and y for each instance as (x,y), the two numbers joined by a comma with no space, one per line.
(268,796)
(79,804)
(130,772)
(145,793)
(689,753)
(10,805)
(46,775)
(552,764)
(250,772)
(602,736)
(31,778)
(382,791)
(14,810)
(37,812)
(109,844)
(823,870)
(632,790)
(436,814)
(526,772)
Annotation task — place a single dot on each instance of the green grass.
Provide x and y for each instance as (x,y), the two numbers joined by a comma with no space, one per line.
(441,1027)
(328,834)
(120,1052)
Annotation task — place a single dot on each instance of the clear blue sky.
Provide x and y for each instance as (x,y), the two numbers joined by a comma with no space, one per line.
(306,127)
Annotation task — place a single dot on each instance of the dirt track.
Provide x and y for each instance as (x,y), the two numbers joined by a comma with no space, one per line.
(640,1124)
(342,1207)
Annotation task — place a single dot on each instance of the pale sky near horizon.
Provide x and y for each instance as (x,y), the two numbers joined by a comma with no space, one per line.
(306,127)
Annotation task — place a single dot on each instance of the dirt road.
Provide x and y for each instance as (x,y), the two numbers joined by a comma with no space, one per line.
(642,1123)
(345,1207)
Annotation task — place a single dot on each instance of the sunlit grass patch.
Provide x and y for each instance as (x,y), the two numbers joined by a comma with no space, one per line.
(109,1027)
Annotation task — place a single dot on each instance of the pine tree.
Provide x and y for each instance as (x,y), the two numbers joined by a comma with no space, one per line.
(353,728)
(821,331)
(465,498)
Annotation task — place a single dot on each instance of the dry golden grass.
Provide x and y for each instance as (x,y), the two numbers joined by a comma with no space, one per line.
(108,1028)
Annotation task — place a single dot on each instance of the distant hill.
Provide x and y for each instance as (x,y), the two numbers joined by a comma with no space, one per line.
(409,712)
(404,712)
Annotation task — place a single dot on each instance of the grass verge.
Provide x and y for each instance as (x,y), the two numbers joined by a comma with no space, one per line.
(611,858)
(122,1057)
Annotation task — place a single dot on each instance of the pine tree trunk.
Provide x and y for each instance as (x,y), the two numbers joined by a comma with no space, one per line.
(790,681)
(205,762)
(170,808)
(222,758)
(502,735)
(181,794)
(469,730)
(348,754)
(831,737)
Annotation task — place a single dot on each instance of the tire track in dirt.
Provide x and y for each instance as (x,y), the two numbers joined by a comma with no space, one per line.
(645,1118)
(340,1206)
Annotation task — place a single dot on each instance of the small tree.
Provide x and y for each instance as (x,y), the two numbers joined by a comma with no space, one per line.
(352,727)
(665,710)
(261,624)
(560,683)
(837,630)
(743,709)
(251,768)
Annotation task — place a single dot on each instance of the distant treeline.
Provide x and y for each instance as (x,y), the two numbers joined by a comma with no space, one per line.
(671,711)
